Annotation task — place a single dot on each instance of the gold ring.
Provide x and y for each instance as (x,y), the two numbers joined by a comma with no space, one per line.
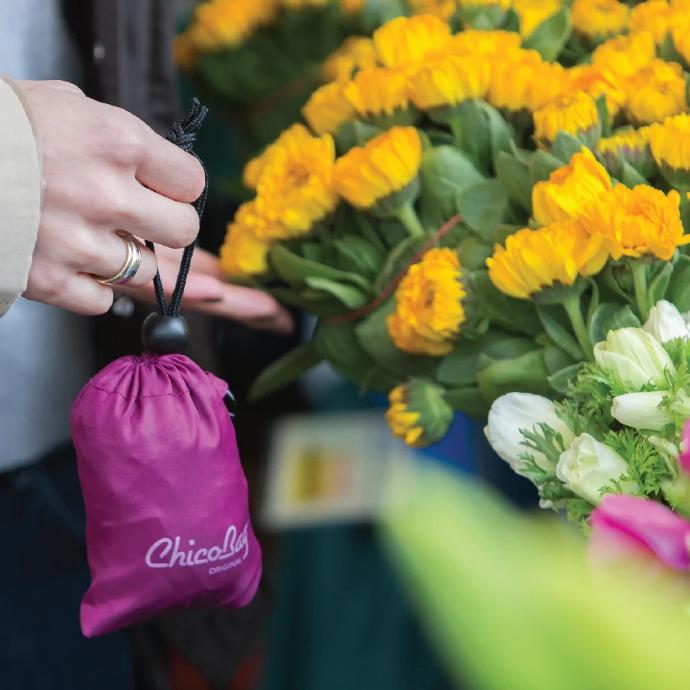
(129,268)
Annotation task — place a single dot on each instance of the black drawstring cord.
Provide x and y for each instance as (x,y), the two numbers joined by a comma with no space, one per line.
(183,134)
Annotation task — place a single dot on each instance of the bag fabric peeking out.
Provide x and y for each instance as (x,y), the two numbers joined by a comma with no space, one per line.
(167,514)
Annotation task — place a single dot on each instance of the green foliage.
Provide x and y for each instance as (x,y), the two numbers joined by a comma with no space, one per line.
(285,370)
(551,35)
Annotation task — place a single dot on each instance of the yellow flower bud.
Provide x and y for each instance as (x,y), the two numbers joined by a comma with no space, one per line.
(576,115)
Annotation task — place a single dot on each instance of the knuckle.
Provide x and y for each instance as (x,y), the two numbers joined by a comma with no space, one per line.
(86,250)
(111,207)
(125,136)
(45,284)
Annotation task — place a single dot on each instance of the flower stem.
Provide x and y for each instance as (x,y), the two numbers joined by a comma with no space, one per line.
(572,309)
(408,217)
(639,274)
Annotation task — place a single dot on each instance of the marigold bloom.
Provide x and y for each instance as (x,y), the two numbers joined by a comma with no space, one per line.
(377,91)
(249,219)
(293,138)
(418,412)
(680,35)
(554,255)
(532,13)
(569,189)
(356,52)
(443,9)
(295,189)
(243,255)
(596,81)
(637,221)
(406,40)
(522,80)
(670,142)
(327,109)
(576,115)
(484,43)
(653,16)
(219,24)
(448,80)
(625,55)
(626,146)
(471,4)
(384,165)
(429,310)
(598,19)
(656,92)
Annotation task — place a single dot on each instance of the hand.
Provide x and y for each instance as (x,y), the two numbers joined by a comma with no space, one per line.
(104,171)
(207,292)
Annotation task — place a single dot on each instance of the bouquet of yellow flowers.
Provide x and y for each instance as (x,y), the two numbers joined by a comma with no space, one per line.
(475,201)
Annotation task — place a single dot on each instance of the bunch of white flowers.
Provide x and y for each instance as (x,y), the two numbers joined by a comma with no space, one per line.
(618,428)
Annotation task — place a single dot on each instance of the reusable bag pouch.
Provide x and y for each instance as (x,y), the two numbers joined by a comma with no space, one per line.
(167,514)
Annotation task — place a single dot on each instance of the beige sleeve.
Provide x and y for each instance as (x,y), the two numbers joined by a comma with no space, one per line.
(20,194)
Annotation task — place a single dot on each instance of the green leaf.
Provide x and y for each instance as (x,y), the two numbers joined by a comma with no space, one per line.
(555,358)
(659,284)
(500,133)
(460,366)
(285,370)
(399,257)
(313,301)
(354,133)
(374,339)
(604,117)
(551,35)
(631,177)
(565,145)
(473,252)
(560,381)
(338,344)
(679,285)
(349,295)
(468,400)
(559,334)
(526,373)
(476,133)
(609,316)
(358,255)
(445,173)
(484,206)
(514,176)
(295,270)
(542,165)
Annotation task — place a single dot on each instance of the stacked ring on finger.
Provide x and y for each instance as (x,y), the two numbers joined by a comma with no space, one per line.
(129,267)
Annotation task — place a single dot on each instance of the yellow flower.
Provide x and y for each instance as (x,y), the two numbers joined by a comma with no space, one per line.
(327,109)
(243,255)
(356,52)
(429,310)
(554,255)
(681,38)
(384,165)
(471,4)
(443,9)
(653,16)
(295,189)
(406,40)
(596,80)
(522,80)
(250,220)
(599,19)
(625,55)
(377,91)
(637,221)
(449,80)
(626,146)
(670,142)
(485,43)
(418,412)
(293,138)
(219,24)
(185,53)
(576,115)
(569,189)
(656,92)
(532,13)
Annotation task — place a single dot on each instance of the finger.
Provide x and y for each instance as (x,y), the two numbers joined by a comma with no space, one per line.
(170,171)
(156,218)
(83,295)
(111,256)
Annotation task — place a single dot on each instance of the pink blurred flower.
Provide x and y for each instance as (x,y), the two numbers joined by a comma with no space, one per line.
(629,524)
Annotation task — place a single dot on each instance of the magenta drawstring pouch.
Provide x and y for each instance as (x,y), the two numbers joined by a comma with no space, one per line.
(167,512)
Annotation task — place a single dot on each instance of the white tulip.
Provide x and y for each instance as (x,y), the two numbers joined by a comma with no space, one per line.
(665,322)
(515,411)
(588,466)
(634,358)
(641,410)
